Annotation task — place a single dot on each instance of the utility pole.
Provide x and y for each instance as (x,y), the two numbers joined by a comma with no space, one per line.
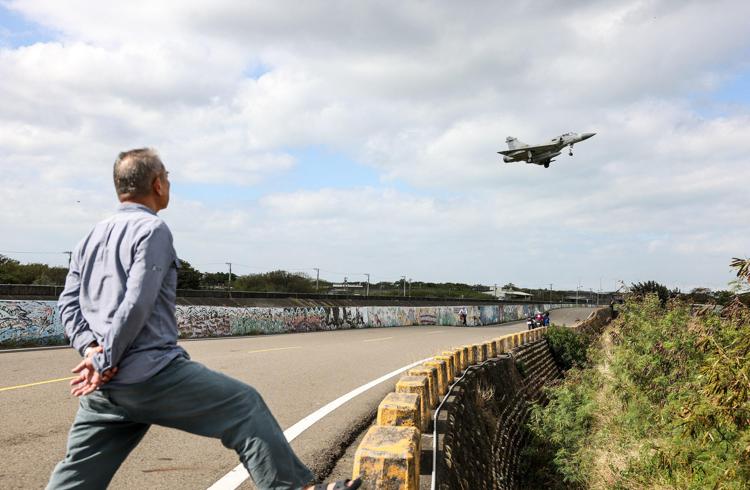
(229,283)
(550,292)
(70,257)
(403,279)
(367,291)
(410,287)
(317,277)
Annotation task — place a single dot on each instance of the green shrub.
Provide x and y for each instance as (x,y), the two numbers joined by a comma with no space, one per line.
(567,346)
(665,405)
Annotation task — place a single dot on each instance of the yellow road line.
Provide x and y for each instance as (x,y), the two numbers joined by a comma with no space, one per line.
(7,388)
(433,333)
(375,340)
(276,348)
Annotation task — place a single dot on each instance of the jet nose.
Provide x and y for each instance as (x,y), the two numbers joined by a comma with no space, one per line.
(586,136)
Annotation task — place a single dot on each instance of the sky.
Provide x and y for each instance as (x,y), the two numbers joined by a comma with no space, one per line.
(362,137)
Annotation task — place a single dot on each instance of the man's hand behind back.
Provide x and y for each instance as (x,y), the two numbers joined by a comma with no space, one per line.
(88,378)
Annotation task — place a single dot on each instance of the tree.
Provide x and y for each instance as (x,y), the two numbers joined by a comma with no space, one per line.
(13,272)
(213,280)
(651,287)
(9,270)
(276,281)
(187,276)
(742,283)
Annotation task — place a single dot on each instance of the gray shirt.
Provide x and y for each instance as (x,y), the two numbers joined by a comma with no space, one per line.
(121,291)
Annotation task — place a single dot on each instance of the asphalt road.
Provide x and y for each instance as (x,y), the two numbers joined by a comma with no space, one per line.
(295,373)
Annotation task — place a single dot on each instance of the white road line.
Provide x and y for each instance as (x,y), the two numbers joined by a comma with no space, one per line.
(238,475)
(273,349)
(375,340)
(433,333)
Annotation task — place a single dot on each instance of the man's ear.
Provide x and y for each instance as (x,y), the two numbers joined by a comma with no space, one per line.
(158,186)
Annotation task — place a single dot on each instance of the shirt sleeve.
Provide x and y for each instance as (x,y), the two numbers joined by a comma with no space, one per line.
(151,262)
(75,325)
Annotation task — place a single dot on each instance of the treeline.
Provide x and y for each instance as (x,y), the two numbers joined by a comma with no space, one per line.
(280,281)
(13,272)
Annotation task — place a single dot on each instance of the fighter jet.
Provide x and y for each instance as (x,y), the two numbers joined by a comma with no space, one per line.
(543,154)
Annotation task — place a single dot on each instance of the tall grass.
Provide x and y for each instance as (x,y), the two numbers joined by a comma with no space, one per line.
(664,403)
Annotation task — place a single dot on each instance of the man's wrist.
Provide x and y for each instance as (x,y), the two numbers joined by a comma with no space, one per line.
(90,348)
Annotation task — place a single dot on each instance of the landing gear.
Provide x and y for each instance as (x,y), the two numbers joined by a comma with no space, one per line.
(570,152)
(546,165)
(529,157)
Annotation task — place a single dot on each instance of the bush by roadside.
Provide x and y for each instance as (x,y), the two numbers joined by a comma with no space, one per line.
(664,404)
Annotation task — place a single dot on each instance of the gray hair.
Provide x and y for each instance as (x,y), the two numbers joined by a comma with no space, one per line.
(135,170)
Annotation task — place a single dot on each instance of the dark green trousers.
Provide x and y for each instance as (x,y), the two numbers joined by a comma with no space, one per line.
(187,396)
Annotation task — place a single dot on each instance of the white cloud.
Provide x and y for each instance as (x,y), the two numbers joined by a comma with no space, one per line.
(424,93)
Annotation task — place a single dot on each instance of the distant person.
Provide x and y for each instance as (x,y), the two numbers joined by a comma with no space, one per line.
(462,315)
(118,309)
(546,319)
(538,319)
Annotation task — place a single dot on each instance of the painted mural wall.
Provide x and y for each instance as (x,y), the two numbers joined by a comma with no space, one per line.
(25,323)
(29,323)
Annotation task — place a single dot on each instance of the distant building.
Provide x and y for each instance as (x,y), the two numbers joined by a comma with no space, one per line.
(347,288)
(510,294)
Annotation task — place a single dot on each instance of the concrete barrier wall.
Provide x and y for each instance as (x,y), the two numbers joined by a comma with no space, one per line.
(30,323)
(478,430)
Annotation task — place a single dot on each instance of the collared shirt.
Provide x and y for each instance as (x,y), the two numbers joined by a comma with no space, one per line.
(121,291)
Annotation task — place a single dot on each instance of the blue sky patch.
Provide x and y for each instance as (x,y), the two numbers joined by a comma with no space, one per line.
(16,31)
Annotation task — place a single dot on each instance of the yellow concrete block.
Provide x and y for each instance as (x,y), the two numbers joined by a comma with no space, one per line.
(442,375)
(456,360)
(480,352)
(402,409)
(431,373)
(504,343)
(491,349)
(498,345)
(471,355)
(448,367)
(388,458)
(418,385)
(465,351)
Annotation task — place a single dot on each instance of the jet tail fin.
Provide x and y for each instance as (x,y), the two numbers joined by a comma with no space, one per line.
(514,143)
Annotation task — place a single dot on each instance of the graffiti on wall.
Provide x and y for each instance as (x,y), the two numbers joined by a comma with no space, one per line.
(38,322)
(218,321)
(25,323)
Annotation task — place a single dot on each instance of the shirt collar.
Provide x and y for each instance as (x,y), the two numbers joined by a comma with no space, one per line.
(132,206)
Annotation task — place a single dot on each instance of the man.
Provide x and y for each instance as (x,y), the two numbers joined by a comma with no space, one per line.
(118,309)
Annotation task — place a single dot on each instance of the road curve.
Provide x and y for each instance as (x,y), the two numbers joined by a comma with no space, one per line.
(295,373)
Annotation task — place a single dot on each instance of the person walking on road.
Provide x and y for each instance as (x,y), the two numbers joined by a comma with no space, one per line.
(118,310)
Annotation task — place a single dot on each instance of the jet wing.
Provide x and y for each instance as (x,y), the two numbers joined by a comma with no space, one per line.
(533,149)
